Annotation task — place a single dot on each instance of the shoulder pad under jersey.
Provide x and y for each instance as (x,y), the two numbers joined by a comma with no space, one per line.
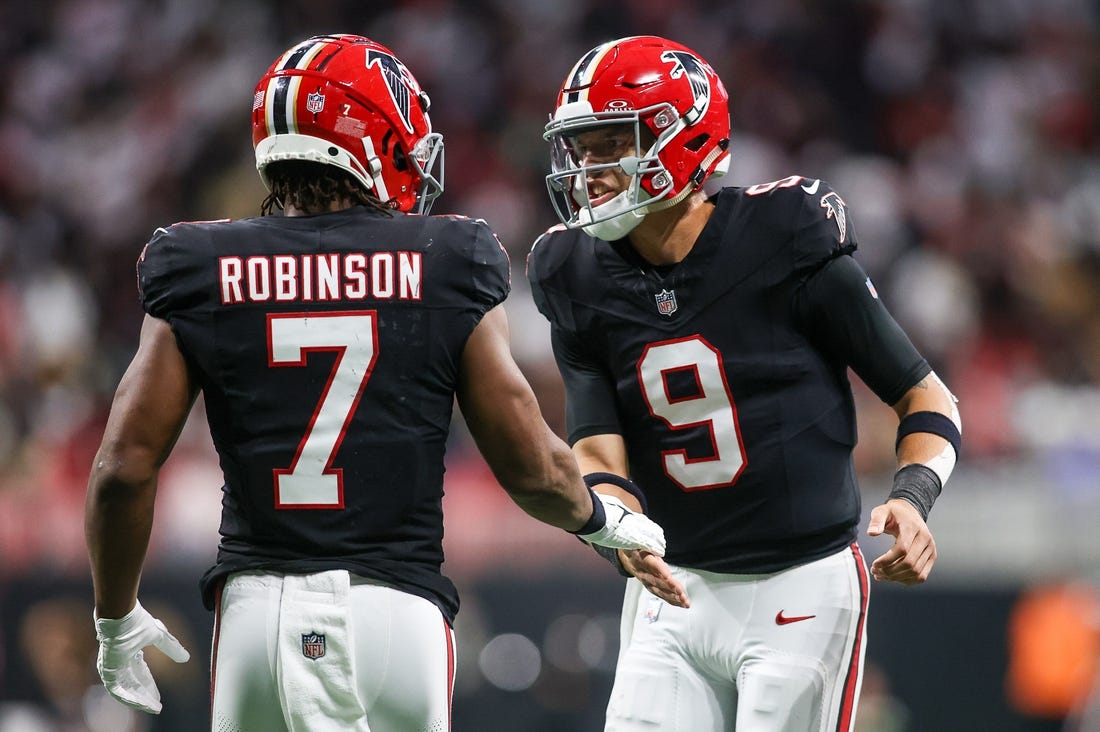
(814,215)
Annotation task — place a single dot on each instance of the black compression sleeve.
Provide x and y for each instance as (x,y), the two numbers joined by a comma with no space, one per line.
(589,392)
(843,316)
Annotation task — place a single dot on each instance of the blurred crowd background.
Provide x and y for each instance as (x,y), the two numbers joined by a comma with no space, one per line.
(963,134)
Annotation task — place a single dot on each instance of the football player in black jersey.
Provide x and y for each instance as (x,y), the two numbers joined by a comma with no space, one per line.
(705,344)
(329,345)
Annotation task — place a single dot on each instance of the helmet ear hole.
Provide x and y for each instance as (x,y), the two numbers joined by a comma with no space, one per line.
(697,142)
(400,162)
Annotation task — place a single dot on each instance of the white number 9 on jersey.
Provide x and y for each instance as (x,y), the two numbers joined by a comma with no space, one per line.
(708,405)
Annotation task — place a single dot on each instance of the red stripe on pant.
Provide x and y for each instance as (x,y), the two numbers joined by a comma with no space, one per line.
(450,670)
(848,703)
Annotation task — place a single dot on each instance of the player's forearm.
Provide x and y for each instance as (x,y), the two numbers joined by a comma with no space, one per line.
(550,488)
(117,524)
(928,443)
(529,461)
(930,395)
(606,454)
(920,448)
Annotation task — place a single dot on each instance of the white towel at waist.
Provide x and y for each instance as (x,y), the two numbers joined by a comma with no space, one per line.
(316,660)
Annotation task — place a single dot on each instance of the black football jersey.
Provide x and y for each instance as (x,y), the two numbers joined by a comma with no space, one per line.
(328,348)
(726,373)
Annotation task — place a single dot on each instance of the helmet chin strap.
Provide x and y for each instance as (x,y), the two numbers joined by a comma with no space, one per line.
(697,181)
(375,164)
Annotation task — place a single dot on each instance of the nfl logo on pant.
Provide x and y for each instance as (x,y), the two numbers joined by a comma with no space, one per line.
(313,645)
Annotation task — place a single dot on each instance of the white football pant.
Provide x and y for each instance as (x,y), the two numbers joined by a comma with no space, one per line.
(778,652)
(328,651)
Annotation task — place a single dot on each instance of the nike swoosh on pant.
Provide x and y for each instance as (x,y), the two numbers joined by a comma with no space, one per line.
(781,619)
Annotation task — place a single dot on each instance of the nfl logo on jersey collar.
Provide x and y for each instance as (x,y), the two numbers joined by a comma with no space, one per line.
(666,302)
(313,645)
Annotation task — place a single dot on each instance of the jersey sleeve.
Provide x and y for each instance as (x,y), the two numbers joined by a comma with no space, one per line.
(822,225)
(151,265)
(543,260)
(490,271)
(162,270)
(844,317)
(589,389)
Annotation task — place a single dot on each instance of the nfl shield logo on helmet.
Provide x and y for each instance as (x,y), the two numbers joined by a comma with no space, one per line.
(666,302)
(313,645)
(315,102)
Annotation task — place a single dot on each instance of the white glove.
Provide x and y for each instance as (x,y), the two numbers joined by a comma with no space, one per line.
(625,529)
(121,662)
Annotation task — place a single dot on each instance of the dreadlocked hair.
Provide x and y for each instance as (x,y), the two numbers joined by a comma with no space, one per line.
(313,186)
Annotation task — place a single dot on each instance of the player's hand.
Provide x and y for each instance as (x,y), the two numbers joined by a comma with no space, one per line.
(625,529)
(654,575)
(909,561)
(121,662)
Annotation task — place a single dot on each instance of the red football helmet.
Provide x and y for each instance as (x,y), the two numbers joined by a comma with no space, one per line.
(636,81)
(347,101)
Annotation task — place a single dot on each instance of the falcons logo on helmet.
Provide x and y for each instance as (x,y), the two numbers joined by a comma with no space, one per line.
(683,63)
(396,76)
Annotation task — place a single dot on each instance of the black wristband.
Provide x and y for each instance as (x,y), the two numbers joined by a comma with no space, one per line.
(626,484)
(933,423)
(598,519)
(919,485)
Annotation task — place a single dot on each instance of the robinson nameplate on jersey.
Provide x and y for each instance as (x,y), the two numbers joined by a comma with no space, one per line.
(320,277)
(313,645)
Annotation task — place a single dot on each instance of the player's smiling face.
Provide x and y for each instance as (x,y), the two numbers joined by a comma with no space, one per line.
(601,146)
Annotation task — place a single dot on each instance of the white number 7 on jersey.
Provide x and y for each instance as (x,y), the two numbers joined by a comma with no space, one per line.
(311,481)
